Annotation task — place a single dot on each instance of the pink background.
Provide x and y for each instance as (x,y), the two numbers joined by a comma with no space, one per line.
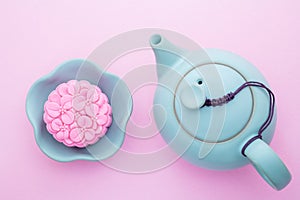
(36,36)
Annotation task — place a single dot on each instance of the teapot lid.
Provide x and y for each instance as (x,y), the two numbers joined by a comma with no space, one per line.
(214,124)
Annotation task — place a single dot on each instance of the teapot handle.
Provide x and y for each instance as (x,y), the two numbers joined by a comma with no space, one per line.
(268,164)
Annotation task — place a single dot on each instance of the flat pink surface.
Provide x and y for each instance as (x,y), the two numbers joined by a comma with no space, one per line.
(36,36)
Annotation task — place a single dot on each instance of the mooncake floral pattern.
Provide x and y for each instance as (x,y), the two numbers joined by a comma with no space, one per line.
(77,113)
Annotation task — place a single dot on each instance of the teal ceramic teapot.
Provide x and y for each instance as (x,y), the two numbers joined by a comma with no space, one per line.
(217,110)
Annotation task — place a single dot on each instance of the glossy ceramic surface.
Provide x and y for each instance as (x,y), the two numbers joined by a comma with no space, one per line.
(117,93)
(213,137)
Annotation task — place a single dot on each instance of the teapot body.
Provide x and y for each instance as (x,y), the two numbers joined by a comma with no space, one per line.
(210,137)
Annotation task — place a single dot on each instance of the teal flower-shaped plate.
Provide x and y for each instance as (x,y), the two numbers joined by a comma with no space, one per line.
(119,98)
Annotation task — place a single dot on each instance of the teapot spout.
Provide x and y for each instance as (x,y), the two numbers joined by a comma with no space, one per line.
(167,55)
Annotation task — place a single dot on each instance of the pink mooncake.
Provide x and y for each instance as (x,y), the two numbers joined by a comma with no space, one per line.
(77,113)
